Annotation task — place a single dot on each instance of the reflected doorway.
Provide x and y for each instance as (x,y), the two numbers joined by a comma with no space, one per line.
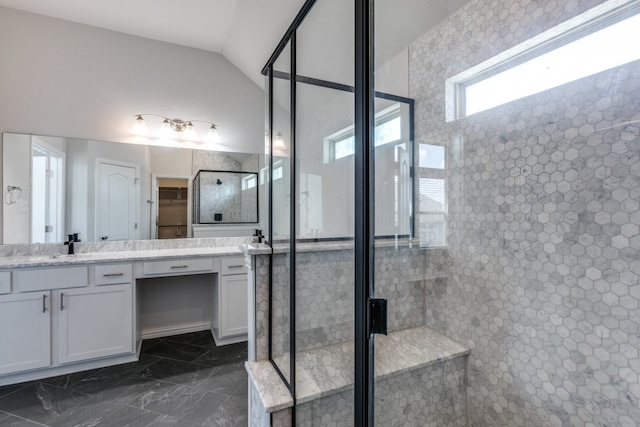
(172,201)
(47,178)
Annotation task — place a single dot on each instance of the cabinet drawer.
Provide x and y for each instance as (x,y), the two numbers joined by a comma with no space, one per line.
(113,273)
(232,265)
(5,282)
(51,278)
(177,266)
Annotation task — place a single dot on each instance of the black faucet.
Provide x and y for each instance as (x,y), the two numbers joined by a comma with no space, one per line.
(73,238)
(258,236)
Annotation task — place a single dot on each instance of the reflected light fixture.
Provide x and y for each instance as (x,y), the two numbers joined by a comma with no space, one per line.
(172,126)
(278,142)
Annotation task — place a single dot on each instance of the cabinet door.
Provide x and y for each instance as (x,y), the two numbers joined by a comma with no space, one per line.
(233,305)
(94,322)
(25,334)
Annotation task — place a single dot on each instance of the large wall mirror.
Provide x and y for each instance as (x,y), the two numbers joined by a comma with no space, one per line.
(56,186)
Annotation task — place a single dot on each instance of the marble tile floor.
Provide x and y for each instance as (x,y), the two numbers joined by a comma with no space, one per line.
(183,380)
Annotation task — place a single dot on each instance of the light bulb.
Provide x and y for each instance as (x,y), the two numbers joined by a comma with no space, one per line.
(165,128)
(190,132)
(278,142)
(139,127)
(212,135)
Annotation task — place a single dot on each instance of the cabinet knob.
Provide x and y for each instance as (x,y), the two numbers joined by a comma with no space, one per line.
(61,301)
(104,237)
(44,303)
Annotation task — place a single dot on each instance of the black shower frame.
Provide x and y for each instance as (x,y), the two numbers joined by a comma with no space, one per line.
(364,124)
(193,204)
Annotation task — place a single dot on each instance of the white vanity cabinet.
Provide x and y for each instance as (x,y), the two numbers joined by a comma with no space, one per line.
(230,317)
(64,315)
(94,322)
(25,335)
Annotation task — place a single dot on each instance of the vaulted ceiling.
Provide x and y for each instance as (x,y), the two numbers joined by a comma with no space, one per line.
(244,31)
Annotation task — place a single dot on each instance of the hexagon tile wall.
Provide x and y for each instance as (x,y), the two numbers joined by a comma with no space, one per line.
(543,228)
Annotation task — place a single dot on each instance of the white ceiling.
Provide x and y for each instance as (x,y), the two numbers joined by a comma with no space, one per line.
(244,31)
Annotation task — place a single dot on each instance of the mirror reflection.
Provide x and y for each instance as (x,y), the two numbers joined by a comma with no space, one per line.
(102,190)
(223,197)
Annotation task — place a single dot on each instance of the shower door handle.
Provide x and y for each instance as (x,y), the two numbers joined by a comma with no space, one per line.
(377,316)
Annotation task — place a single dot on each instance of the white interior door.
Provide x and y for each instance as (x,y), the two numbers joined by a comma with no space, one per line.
(116,202)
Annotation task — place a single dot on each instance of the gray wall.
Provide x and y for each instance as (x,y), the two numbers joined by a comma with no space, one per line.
(71,80)
(543,228)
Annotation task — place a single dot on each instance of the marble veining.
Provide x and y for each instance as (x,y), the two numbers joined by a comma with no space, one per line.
(259,417)
(273,395)
(42,402)
(125,395)
(15,256)
(42,249)
(328,370)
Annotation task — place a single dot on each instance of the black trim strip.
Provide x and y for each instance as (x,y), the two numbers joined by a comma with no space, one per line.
(363,131)
(292,224)
(306,7)
(412,207)
(270,222)
(339,86)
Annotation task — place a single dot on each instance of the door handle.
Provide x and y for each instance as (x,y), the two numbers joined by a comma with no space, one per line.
(104,237)
(44,303)
(61,301)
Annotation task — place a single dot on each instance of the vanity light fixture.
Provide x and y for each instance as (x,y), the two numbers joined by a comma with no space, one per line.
(278,142)
(170,126)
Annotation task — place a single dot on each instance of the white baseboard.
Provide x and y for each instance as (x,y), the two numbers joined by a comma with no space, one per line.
(66,369)
(229,340)
(175,330)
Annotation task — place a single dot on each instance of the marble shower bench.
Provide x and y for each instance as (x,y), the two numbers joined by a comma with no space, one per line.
(420,374)
(408,363)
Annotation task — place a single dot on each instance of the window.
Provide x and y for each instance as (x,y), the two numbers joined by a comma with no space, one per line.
(343,147)
(600,39)
(277,170)
(248,182)
(431,156)
(388,129)
(432,202)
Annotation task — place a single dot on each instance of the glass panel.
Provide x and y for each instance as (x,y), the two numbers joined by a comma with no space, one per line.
(325,212)
(406,391)
(280,215)
(528,232)
(393,164)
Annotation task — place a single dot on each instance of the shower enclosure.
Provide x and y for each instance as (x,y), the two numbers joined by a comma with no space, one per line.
(453,225)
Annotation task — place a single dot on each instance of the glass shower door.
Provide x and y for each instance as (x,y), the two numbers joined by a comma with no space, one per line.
(418,374)
(281,161)
(324,253)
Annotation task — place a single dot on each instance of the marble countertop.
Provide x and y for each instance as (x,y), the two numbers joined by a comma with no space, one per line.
(28,261)
(331,245)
